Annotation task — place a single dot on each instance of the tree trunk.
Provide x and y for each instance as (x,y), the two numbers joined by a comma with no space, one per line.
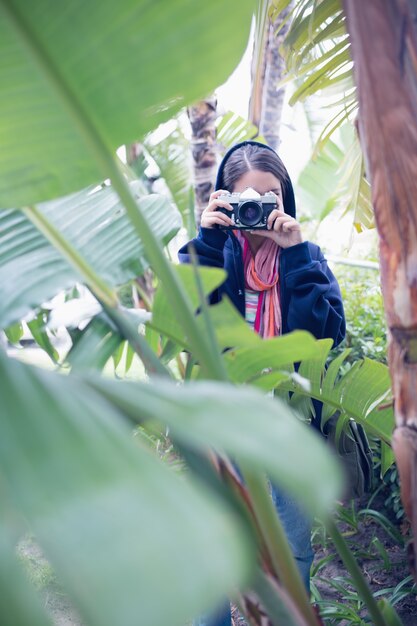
(267,101)
(384,52)
(203,142)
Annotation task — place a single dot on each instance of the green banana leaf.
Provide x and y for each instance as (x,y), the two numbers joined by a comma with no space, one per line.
(317,183)
(261,432)
(94,221)
(93,347)
(356,187)
(104,69)
(164,317)
(312,24)
(130,541)
(270,358)
(37,327)
(251,356)
(14,333)
(173,157)
(335,179)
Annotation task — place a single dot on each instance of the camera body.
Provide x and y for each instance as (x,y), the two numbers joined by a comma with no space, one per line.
(250,209)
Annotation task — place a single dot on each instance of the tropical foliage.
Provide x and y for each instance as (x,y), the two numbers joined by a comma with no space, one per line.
(121,529)
(317,54)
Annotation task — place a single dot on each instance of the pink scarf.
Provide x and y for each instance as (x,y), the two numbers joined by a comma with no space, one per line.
(261,274)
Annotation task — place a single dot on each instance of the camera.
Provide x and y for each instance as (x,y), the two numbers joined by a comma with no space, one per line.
(250,209)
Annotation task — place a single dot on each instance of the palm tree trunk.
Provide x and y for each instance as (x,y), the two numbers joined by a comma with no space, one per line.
(272,97)
(267,101)
(384,51)
(203,142)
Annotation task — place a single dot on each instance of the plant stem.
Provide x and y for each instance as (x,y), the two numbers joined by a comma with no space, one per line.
(142,295)
(277,602)
(209,326)
(180,365)
(103,292)
(357,576)
(189,367)
(130,332)
(277,544)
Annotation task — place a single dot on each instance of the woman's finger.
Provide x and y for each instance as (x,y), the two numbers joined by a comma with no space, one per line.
(271,217)
(210,218)
(287,226)
(217,193)
(221,220)
(279,221)
(280,204)
(219,203)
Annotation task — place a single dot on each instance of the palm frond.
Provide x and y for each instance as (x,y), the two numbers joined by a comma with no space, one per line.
(353,187)
(359,392)
(172,156)
(313,24)
(317,54)
(342,116)
(326,77)
(318,181)
(335,178)
(232,128)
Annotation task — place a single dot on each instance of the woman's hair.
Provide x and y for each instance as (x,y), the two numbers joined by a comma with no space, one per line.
(253,157)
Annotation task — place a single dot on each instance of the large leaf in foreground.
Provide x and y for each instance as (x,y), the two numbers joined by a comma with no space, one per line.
(116,69)
(259,431)
(94,222)
(131,542)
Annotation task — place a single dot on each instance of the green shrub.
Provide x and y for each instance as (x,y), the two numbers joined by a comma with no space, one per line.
(366,332)
(366,335)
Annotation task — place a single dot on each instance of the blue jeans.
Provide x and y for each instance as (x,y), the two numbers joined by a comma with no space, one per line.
(297,525)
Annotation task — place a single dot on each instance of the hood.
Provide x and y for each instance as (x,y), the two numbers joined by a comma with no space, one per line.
(287,188)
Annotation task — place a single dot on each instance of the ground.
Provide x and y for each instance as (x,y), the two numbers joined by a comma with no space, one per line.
(383,562)
(379,546)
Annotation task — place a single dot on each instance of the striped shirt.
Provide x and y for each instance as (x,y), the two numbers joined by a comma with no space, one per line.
(251,305)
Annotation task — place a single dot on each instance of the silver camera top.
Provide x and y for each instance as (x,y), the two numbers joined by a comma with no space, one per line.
(250,194)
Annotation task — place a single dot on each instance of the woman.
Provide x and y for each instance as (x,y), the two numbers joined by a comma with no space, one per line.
(277,281)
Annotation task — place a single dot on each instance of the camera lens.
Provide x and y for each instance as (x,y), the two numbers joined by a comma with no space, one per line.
(250,213)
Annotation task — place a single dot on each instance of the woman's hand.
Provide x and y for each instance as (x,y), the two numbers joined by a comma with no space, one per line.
(212,216)
(282,228)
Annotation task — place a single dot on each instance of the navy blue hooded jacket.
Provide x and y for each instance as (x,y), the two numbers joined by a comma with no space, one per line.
(309,294)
